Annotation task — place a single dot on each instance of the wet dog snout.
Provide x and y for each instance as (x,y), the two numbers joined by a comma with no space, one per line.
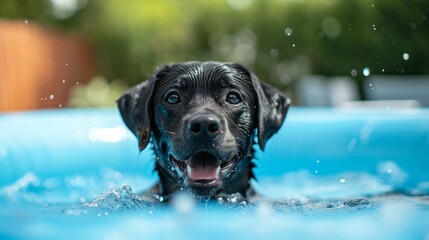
(204,126)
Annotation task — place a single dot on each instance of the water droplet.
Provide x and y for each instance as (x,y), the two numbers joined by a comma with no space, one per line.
(274,52)
(161,198)
(317,161)
(264,209)
(150,212)
(353,73)
(316,171)
(413,25)
(26,21)
(64,81)
(67,64)
(183,203)
(366,71)
(293,44)
(342,180)
(51,97)
(370,84)
(372,5)
(288,31)
(387,107)
(60,105)
(382,70)
(351,145)
(77,83)
(405,56)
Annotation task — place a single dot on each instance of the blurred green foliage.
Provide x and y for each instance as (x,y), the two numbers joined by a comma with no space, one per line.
(97,93)
(279,39)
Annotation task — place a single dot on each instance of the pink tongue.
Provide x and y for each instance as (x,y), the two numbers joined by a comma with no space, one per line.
(201,172)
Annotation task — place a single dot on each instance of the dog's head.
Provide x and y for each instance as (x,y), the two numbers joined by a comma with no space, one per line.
(202,118)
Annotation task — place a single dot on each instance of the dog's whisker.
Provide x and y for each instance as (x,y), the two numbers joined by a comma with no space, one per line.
(171,133)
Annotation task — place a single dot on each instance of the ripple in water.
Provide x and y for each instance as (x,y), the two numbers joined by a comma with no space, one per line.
(122,200)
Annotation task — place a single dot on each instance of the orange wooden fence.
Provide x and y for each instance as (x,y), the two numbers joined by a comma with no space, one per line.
(38,66)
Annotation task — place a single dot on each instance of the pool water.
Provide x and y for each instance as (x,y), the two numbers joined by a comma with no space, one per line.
(328,174)
(39,210)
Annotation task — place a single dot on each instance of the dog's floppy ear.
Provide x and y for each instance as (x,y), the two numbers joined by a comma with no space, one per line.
(272,107)
(134,106)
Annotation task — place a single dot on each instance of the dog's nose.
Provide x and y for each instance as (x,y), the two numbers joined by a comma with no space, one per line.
(204,126)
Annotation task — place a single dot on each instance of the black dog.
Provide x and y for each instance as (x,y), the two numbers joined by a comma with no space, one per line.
(202,118)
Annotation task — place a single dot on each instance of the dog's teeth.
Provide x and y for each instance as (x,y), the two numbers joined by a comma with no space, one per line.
(217,170)
(189,169)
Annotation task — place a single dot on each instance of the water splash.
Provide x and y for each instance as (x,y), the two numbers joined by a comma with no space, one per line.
(311,207)
(230,198)
(121,199)
(25,182)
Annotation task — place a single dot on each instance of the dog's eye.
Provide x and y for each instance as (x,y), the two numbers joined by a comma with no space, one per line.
(172,98)
(233,98)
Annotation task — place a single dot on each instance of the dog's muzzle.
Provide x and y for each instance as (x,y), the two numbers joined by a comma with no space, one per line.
(207,163)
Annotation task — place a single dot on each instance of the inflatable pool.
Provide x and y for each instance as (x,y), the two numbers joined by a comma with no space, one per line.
(328,174)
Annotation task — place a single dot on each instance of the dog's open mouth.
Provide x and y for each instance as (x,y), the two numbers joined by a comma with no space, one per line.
(203,169)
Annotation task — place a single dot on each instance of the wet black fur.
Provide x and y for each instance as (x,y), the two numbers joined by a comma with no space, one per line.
(203,87)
